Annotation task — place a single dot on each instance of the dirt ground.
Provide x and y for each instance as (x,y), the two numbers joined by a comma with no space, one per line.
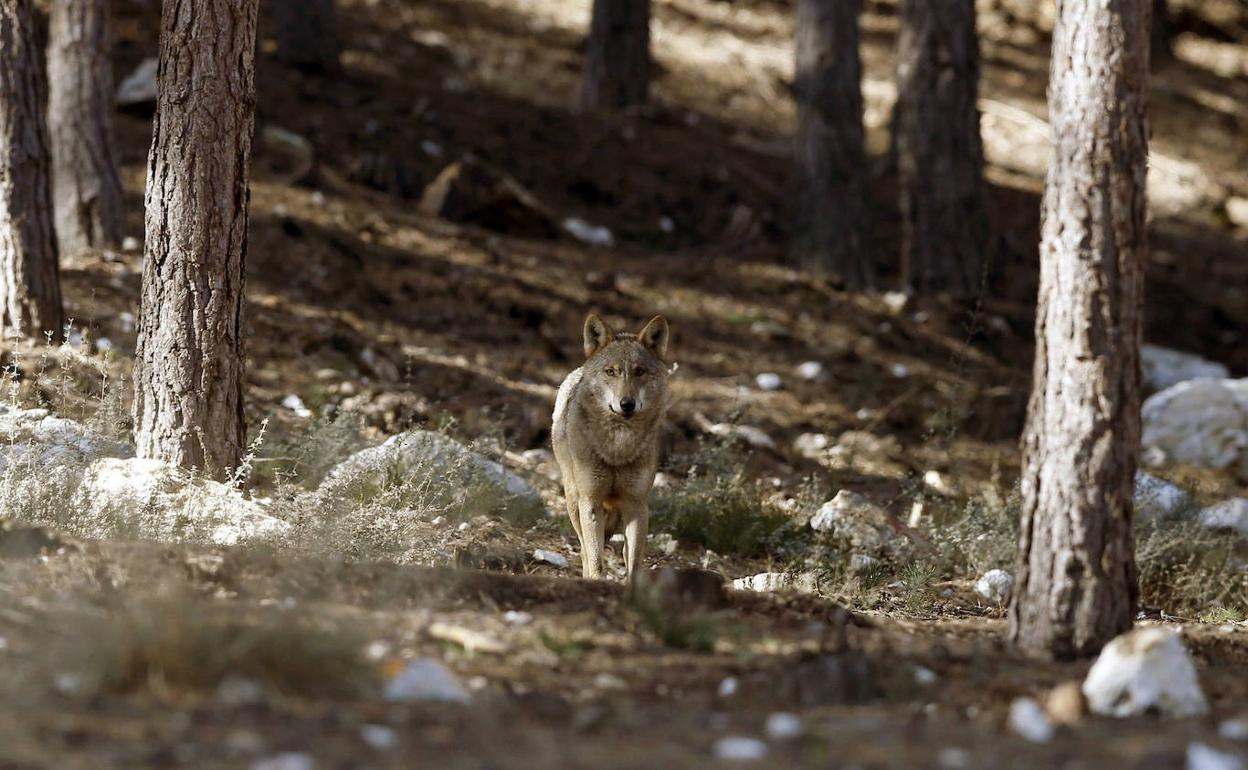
(355,296)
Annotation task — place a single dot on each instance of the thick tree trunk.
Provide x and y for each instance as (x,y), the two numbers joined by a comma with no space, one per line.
(1076,586)
(617,55)
(832,232)
(86,186)
(939,151)
(307,34)
(30,286)
(188,403)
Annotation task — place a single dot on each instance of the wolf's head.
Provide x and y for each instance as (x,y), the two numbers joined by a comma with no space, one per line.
(626,374)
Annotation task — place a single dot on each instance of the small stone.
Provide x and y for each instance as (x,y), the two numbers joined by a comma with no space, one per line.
(728,687)
(1228,514)
(379,737)
(749,434)
(804,582)
(238,692)
(741,748)
(1141,671)
(432,148)
(899,370)
(811,445)
(940,483)
(666,224)
(995,586)
(463,526)
(1204,757)
(1028,720)
(557,560)
(295,404)
(290,760)
(925,677)
(104,344)
(770,330)
(1237,211)
(425,679)
(130,244)
(1235,729)
(139,87)
(768,381)
(517,617)
(664,543)
(896,301)
(609,681)
(810,371)
(784,726)
(594,235)
(438,521)
(953,758)
(1065,704)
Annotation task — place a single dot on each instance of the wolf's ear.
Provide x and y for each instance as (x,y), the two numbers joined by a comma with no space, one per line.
(654,336)
(597,334)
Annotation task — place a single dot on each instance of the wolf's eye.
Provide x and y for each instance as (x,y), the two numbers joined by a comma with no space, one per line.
(610,371)
(639,371)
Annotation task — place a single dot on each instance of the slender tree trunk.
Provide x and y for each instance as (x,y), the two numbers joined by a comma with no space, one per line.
(832,232)
(86,186)
(617,55)
(1162,32)
(1076,586)
(307,34)
(30,285)
(939,152)
(188,404)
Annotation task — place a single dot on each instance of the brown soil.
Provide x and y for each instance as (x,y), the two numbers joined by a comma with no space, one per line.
(352,292)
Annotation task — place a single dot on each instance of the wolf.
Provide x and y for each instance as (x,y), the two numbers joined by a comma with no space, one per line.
(608,418)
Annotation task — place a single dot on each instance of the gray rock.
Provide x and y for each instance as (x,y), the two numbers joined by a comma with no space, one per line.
(1159,499)
(139,87)
(552,558)
(1163,367)
(778,581)
(1228,514)
(739,748)
(1199,422)
(995,585)
(1203,757)
(867,526)
(768,381)
(425,679)
(1028,720)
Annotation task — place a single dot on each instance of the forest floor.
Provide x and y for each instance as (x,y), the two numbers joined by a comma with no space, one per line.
(358,301)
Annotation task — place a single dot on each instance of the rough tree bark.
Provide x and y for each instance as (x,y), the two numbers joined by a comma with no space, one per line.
(86,185)
(617,55)
(939,151)
(832,232)
(30,286)
(307,34)
(188,403)
(1076,586)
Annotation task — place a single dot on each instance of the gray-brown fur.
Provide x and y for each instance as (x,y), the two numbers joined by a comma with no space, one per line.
(607,453)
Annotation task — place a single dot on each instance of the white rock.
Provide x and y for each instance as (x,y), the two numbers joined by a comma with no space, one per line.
(1235,729)
(1203,757)
(104,344)
(777,581)
(557,560)
(751,435)
(35,437)
(940,483)
(1200,422)
(995,585)
(423,452)
(810,370)
(517,617)
(425,679)
(1157,498)
(1142,670)
(594,235)
(728,687)
(738,747)
(1163,367)
(139,87)
(663,543)
(1027,718)
(896,301)
(667,224)
(432,148)
(290,760)
(768,381)
(379,737)
(784,726)
(1228,514)
(295,404)
(130,243)
(899,370)
(438,521)
(865,524)
(811,445)
(152,499)
(1237,211)
(924,676)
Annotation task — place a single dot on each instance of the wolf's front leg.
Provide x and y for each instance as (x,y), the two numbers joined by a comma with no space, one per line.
(635,527)
(593,539)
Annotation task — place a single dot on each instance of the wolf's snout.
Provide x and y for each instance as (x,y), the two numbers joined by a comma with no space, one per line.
(628,405)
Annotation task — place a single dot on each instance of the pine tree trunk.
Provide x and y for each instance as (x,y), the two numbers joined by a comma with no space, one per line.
(307,34)
(1076,586)
(939,151)
(30,286)
(832,232)
(188,403)
(86,186)
(617,55)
